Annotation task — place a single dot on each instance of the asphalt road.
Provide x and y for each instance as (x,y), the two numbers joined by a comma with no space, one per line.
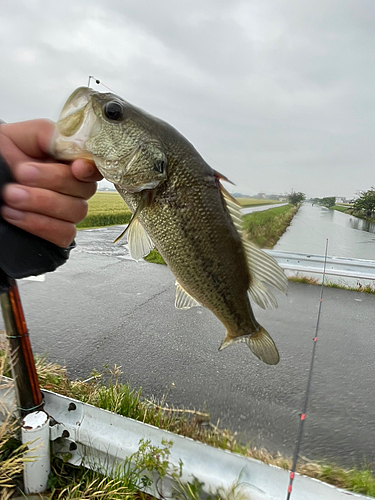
(101,307)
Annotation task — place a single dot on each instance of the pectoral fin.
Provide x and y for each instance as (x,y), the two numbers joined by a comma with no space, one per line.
(145,200)
(140,243)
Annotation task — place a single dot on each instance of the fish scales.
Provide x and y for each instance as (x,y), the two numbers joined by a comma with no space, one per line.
(179,206)
(197,239)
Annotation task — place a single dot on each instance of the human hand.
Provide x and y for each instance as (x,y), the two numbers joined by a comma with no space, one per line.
(48,198)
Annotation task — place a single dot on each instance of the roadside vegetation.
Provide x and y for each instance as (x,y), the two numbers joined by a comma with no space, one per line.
(106,391)
(315,281)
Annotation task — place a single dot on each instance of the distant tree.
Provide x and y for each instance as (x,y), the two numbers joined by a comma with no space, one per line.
(366,202)
(328,202)
(296,198)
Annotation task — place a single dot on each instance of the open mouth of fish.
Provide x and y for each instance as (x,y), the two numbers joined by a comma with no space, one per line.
(76,124)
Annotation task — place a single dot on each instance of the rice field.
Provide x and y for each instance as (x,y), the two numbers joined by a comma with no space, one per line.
(105,209)
(255,202)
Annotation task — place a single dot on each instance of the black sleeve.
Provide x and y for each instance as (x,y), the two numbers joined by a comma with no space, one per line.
(21,253)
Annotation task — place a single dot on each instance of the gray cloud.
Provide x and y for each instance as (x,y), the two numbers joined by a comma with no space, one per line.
(277,95)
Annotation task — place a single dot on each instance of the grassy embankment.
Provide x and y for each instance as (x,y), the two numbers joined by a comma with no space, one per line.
(341,208)
(266,227)
(68,482)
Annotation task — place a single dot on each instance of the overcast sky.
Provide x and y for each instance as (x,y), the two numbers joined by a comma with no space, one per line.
(277,95)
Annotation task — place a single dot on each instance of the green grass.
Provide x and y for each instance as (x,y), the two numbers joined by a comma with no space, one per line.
(155,257)
(341,208)
(266,227)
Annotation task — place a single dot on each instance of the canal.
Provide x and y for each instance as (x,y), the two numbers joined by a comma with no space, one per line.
(347,236)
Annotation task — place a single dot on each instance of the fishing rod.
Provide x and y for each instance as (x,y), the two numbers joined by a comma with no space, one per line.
(29,396)
(308,387)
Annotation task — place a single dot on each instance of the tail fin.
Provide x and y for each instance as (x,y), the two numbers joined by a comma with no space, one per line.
(260,343)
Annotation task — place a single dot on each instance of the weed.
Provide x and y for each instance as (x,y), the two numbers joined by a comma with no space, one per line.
(155,257)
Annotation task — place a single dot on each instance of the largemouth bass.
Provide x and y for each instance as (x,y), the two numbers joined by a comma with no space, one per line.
(179,206)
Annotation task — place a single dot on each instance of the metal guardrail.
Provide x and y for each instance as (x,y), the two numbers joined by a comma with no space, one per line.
(101,440)
(336,266)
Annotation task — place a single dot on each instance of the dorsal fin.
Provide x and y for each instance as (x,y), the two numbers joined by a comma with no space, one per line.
(263,268)
(222,177)
(234,209)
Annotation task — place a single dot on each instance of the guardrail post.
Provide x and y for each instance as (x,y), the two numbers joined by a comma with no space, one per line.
(36,434)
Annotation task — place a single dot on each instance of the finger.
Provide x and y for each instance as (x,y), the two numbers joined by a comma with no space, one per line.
(57,231)
(85,171)
(45,202)
(32,137)
(56,177)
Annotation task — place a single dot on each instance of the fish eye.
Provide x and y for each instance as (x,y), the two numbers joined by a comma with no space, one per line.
(113,111)
(159,166)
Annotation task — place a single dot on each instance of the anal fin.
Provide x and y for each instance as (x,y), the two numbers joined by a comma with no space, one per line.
(183,299)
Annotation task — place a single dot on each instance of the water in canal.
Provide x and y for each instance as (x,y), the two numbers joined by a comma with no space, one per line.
(347,236)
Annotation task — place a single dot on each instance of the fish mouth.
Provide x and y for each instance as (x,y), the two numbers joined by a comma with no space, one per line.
(73,113)
(76,124)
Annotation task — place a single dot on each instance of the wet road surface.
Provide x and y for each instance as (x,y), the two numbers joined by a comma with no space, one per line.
(261,208)
(101,307)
